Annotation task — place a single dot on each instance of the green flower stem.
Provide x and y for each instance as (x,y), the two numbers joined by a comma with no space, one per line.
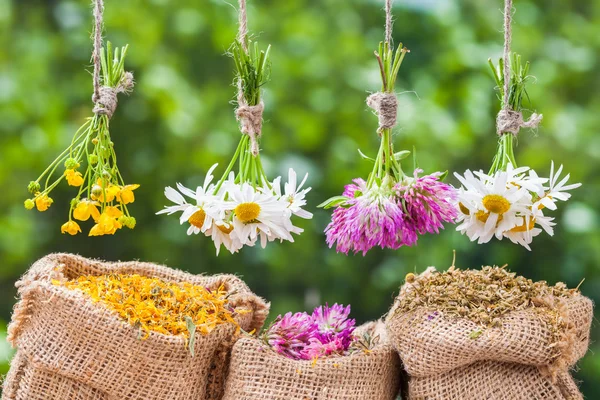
(386,163)
(519,78)
(253,70)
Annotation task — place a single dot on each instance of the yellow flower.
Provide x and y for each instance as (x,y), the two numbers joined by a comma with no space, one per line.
(104,194)
(43,202)
(70,227)
(74,178)
(126,195)
(108,222)
(86,208)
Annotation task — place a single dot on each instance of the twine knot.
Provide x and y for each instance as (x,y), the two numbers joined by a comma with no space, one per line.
(511,121)
(251,120)
(106,99)
(385,106)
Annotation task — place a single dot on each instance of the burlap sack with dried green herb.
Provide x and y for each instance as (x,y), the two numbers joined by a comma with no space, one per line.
(96,354)
(258,373)
(442,322)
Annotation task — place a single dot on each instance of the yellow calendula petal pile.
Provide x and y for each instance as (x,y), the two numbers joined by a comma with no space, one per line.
(155,305)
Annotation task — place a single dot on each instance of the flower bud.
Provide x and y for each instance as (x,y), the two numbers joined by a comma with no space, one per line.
(29,204)
(95,140)
(96,190)
(93,159)
(106,174)
(33,187)
(71,163)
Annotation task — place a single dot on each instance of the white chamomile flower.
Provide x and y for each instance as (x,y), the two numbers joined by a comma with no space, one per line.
(222,234)
(200,215)
(258,214)
(493,202)
(294,195)
(556,190)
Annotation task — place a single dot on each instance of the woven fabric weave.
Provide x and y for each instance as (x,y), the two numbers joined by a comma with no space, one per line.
(451,357)
(63,332)
(493,380)
(258,373)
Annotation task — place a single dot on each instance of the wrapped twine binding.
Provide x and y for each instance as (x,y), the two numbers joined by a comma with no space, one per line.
(258,373)
(521,360)
(75,349)
(385,106)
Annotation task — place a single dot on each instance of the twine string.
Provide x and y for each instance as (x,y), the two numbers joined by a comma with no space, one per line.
(388,21)
(250,117)
(104,96)
(509,120)
(384,104)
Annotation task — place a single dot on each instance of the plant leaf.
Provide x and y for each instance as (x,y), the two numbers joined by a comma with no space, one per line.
(364,156)
(192,330)
(401,155)
(333,202)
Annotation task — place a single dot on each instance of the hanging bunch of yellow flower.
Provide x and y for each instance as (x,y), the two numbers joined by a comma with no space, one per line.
(102,195)
(152,304)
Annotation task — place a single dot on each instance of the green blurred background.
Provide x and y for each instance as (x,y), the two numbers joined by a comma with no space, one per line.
(178,122)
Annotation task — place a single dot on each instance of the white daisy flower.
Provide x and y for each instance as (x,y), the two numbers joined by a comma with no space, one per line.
(556,190)
(492,201)
(200,215)
(221,234)
(258,214)
(293,194)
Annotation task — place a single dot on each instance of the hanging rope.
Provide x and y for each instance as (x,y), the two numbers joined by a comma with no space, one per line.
(383,103)
(388,21)
(249,116)
(509,120)
(105,97)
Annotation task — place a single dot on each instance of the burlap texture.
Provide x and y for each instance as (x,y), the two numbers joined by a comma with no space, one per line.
(491,380)
(38,384)
(431,344)
(62,332)
(258,373)
(529,351)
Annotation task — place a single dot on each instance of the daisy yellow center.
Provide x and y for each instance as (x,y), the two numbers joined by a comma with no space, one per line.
(483,217)
(525,227)
(225,229)
(197,218)
(247,212)
(496,203)
(463,209)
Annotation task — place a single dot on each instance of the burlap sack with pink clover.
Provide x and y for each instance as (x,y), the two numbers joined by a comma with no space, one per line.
(259,373)
(70,348)
(445,361)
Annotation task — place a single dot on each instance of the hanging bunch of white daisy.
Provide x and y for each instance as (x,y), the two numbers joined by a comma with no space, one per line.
(510,201)
(241,209)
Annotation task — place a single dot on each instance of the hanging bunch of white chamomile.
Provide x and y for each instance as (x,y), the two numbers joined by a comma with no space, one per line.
(240,209)
(510,201)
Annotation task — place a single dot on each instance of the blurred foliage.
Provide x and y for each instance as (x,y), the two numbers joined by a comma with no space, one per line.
(178,122)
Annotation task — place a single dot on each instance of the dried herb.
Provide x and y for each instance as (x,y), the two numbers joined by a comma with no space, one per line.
(482,296)
(152,304)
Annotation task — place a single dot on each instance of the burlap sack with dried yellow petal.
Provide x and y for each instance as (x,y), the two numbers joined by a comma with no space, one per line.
(259,373)
(526,354)
(71,348)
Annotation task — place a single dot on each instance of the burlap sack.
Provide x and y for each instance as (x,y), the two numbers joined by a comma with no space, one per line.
(493,380)
(445,361)
(59,331)
(258,373)
(431,344)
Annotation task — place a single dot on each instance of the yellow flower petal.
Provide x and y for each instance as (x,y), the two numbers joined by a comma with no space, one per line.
(74,178)
(43,202)
(126,195)
(70,227)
